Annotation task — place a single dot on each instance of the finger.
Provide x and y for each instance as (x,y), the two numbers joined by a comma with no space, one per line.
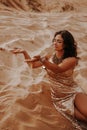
(14,51)
(28,61)
(31,60)
(37,56)
(16,48)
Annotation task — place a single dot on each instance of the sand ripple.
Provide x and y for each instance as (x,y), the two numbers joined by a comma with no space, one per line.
(19,109)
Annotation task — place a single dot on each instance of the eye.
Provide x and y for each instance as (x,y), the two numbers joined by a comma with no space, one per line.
(59,41)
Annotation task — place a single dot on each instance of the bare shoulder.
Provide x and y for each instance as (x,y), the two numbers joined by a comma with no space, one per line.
(71,61)
(68,63)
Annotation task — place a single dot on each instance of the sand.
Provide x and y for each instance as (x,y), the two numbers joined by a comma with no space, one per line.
(25,100)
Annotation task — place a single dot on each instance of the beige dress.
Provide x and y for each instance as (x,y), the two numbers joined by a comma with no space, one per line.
(63,92)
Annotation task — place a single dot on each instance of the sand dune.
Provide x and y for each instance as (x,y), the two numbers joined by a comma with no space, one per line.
(21,26)
(44,6)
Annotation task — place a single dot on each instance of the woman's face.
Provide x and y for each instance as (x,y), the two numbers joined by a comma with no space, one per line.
(58,42)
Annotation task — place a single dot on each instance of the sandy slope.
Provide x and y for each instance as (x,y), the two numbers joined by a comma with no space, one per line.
(44,5)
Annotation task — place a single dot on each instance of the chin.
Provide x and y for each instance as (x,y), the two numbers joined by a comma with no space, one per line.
(57,49)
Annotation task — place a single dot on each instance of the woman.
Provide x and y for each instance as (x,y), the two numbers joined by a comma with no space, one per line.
(67,96)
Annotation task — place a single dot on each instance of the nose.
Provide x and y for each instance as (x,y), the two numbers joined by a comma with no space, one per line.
(55,43)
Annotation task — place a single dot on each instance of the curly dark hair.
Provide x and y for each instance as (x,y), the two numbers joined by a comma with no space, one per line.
(70,46)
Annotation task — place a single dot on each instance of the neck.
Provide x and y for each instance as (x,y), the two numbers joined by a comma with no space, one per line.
(59,53)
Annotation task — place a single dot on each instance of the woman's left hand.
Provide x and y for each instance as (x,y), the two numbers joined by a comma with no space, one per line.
(17,50)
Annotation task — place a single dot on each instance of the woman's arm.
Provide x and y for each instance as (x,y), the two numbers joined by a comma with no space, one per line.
(66,64)
(34,62)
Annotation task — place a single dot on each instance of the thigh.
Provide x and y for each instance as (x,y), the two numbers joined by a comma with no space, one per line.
(81,103)
(79,115)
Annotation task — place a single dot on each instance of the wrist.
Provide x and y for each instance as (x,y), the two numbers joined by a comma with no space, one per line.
(24,52)
(42,60)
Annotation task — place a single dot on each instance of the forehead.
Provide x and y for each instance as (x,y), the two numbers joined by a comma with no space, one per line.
(58,37)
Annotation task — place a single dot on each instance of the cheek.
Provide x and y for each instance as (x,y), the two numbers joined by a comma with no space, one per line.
(60,45)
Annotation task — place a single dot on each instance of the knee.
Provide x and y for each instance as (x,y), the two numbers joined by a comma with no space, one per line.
(79,116)
(77,99)
(81,103)
(80,98)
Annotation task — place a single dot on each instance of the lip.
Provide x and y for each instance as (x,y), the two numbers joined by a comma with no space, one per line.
(56,46)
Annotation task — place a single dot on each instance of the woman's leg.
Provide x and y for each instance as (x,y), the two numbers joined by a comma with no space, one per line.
(79,116)
(81,106)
